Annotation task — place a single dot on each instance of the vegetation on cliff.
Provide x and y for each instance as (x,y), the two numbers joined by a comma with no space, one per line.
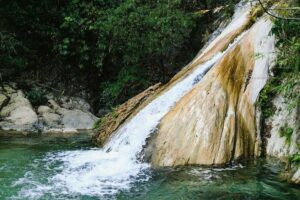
(285,76)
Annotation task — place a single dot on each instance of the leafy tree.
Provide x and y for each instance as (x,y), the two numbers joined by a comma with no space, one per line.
(115,48)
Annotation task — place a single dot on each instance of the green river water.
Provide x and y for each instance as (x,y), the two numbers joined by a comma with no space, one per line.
(26,157)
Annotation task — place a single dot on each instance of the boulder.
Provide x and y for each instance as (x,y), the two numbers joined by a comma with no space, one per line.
(50,120)
(44,109)
(72,103)
(18,114)
(77,119)
(214,123)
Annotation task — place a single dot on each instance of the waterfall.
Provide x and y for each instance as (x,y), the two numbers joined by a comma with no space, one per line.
(105,171)
(116,166)
(113,168)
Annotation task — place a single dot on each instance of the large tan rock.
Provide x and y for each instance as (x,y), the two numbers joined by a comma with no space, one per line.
(115,119)
(215,122)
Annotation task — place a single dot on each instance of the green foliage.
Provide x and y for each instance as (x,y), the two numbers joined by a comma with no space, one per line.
(36,96)
(295,159)
(128,81)
(265,98)
(101,121)
(97,124)
(116,48)
(9,59)
(288,60)
(286,79)
(287,133)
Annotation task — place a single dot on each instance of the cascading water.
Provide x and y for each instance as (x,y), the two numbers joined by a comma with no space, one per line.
(104,172)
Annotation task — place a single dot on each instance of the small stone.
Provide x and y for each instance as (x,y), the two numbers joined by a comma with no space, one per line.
(44,109)
(53,104)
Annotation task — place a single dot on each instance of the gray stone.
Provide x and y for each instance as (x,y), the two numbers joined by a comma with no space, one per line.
(16,100)
(53,104)
(77,119)
(277,145)
(18,114)
(44,109)
(51,119)
(75,103)
(21,118)
(8,89)
(3,100)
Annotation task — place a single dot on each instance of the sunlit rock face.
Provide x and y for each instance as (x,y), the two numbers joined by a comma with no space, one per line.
(241,20)
(215,122)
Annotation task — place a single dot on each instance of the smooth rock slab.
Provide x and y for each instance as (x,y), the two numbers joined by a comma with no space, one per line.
(77,119)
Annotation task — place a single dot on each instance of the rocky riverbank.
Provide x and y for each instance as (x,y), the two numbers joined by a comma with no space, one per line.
(58,114)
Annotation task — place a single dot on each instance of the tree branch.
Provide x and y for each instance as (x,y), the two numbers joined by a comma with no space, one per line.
(275,16)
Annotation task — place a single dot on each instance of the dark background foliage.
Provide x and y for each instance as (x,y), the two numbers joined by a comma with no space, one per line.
(112,49)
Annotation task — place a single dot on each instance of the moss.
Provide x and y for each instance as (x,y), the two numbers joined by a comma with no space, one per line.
(287,133)
(256,13)
(109,116)
(97,124)
(266,96)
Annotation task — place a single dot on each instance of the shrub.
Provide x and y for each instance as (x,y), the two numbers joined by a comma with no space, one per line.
(36,96)
(287,133)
